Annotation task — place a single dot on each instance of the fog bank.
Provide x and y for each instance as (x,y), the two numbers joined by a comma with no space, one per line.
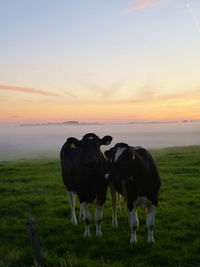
(46,141)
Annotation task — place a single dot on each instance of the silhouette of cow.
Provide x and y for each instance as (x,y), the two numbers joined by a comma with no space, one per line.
(83,172)
(134,174)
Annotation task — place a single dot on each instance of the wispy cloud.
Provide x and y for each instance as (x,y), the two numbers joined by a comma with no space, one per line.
(184,98)
(108,92)
(15,116)
(26,90)
(140,5)
(68,93)
(193,15)
(2,99)
(146,93)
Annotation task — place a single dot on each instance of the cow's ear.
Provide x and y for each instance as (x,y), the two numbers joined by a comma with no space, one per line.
(73,142)
(106,140)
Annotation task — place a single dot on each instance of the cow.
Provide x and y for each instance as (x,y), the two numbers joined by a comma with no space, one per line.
(134,174)
(83,167)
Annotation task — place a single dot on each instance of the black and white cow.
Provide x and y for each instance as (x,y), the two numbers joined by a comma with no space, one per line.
(83,172)
(134,174)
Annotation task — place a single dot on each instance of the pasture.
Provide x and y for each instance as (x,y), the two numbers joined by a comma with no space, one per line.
(34,188)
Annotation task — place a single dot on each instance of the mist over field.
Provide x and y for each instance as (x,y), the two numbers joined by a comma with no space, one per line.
(23,142)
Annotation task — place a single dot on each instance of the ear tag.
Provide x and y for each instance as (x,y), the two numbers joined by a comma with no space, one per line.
(73,145)
(133,156)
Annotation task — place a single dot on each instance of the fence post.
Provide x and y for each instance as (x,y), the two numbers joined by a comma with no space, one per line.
(32,230)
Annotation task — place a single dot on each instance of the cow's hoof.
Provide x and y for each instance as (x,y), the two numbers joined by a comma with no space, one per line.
(115,224)
(150,241)
(99,234)
(133,242)
(74,221)
(87,235)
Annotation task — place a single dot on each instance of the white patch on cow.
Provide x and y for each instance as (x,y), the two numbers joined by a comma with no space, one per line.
(150,222)
(71,198)
(87,231)
(86,218)
(119,152)
(106,175)
(134,225)
(146,205)
(142,202)
(98,219)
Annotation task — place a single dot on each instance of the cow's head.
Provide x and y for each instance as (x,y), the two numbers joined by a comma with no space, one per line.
(121,158)
(90,147)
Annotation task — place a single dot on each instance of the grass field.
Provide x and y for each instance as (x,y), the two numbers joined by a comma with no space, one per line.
(34,188)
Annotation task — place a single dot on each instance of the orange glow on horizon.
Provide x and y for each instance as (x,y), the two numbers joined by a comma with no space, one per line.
(103,112)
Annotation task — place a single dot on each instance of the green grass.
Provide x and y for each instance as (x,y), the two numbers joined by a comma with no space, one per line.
(34,188)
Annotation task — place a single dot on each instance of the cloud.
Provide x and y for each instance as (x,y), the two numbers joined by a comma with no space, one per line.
(26,90)
(105,93)
(15,116)
(140,5)
(68,93)
(149,96)
(2,99)
(193,15)
(144,93)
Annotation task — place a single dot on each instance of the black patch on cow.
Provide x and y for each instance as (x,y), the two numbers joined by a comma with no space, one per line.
(84,166)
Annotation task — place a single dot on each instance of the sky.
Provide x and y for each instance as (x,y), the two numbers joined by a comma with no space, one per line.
(99,61)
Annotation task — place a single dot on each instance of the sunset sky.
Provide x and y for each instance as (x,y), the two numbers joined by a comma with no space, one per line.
(99,60)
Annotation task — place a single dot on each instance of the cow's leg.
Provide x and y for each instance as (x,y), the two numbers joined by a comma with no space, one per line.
(98,219)
(134,225)
(71,198)
(86,218)
(150,223)
(80,215)
(128,214)
(114,199)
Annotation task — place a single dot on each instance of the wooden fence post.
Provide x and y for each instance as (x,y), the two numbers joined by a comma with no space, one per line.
(32,230)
